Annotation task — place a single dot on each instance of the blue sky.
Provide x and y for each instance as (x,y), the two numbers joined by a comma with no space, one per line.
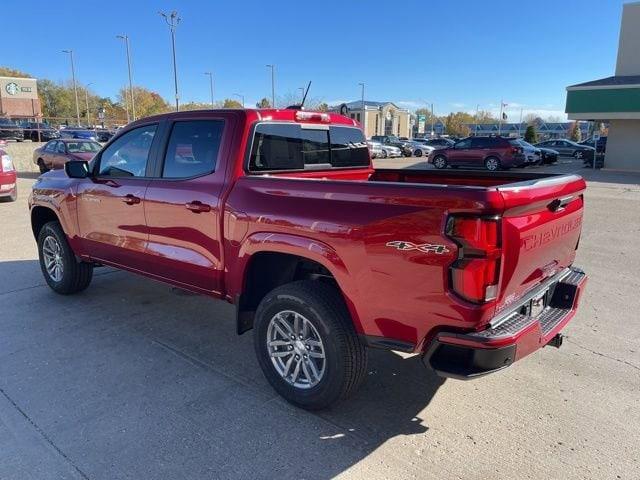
(456,54)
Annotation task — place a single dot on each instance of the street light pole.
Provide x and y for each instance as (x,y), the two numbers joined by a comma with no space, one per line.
(86,100)
(241,97)
(210,74)
(273,85)
(75,87)
(364,115)
(133,102)
(173,20)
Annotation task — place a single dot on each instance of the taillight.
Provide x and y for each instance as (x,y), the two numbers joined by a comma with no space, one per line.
(302,116)
(476,273)
(6,165)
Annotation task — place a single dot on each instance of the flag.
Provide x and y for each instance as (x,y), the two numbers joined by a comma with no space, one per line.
(504,116)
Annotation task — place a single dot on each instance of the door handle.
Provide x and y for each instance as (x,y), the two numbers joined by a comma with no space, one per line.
(197,207)
(130,199)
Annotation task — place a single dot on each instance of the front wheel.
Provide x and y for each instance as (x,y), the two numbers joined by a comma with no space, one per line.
(62,272)
(383,154)
(440,162)
(307,346)
(492,164)
(577,155)
(418,153)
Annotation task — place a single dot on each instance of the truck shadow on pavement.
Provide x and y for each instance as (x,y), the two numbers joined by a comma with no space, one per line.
(134,378)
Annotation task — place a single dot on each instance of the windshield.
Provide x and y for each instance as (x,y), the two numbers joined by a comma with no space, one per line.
(83,147)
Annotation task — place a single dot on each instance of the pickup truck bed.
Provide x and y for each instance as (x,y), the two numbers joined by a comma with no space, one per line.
(473,270)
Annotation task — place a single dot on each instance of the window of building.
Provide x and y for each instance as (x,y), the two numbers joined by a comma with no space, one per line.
(193,148)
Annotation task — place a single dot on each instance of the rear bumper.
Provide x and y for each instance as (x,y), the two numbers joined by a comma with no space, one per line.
(7,183)
(514,336)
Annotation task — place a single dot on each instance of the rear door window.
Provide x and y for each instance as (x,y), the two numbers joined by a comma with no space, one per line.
(193,148)
(292,147)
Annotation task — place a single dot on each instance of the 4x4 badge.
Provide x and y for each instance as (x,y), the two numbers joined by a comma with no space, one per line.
(423,247)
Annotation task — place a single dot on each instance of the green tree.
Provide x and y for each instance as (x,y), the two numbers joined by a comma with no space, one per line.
(574,132)
(484,116)
(322,107)
(231,103)
(264,103)
(196,106)
(530,135)
(12,72)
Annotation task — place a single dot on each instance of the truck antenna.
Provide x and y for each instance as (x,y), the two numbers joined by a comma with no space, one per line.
(300,106)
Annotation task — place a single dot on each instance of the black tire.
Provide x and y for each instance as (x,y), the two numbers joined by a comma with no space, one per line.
(384,154)
(76,276)
(418,153)
(440,161)
(43,168)
(492,164)
(345,355)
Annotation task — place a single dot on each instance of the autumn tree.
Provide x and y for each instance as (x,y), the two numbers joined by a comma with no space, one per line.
(231,103)
(574,132)
(12,72)
(147,102)
(530,135)
(322,107)
(455,123)
(197,106)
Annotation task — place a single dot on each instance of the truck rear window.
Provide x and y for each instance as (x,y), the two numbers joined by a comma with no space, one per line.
(286,146)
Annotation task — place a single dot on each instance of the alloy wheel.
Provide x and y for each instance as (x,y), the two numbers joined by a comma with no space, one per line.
(52,256)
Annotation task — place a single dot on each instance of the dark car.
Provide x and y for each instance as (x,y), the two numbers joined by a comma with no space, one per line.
(492,153)
(394,141)
(39,132)
(566,147)
(9,130)
(601,147)
(548,155)
(440,142)
(103,135)
(78,133)
(54,154)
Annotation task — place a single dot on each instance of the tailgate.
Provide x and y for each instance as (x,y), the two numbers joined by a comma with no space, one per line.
(541,228)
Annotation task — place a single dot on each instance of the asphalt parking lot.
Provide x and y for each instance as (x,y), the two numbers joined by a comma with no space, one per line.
(135,379)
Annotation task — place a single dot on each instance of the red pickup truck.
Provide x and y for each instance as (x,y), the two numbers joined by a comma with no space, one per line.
(281,213)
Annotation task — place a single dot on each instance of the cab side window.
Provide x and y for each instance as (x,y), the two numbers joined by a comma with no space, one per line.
(50,147)
(61,147)
(193,148)
(129,154)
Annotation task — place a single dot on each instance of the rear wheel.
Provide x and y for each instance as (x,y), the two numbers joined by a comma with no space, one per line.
(383,154)
(418,153)
(492,164)
(440,161)
(62,272)
(307,346)
(577,155)
(43,168)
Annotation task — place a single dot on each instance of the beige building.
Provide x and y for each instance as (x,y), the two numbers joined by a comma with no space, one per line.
(19,98)
(379,118)
(616,99)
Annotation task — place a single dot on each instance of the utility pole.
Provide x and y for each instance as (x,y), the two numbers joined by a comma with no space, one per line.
(273,85)
(133,102)
(86,99)
(477,118)
(364,114)
(241,97)
(75,87)
(433,121)
(173,20)
(520,124)
(210,74)
(502,105)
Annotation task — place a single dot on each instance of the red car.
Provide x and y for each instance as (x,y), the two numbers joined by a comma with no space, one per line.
(492,153)
(54,154)
(8,179)
(280,213)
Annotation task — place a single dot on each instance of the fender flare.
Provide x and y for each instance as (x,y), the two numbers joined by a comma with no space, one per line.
(300,246)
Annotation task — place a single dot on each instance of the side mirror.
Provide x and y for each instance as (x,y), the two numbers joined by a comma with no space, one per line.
(77,169)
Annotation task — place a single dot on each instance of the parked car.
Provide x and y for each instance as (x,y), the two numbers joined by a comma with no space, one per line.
(387,151)
(9,130)
(492,153)
(375,149)
(567,148)
(104,135)
(8,177)
(54,154)
(40,132)
(394,141)
(440,142)
(533,155)
(602,144)
(419,149)
(281,213)
(78,133)
(548,155)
